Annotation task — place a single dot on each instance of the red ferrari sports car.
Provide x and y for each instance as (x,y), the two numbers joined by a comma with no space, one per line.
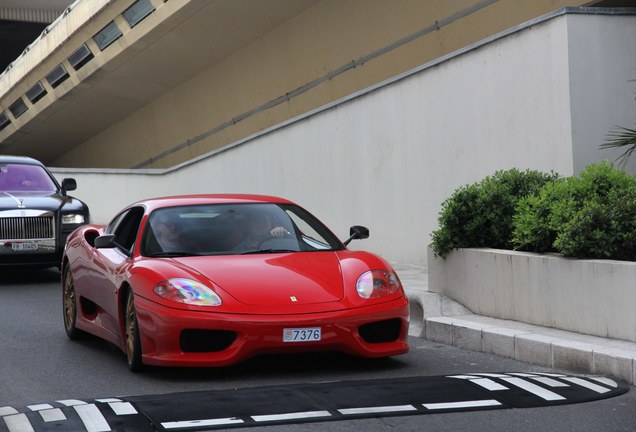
(210,280)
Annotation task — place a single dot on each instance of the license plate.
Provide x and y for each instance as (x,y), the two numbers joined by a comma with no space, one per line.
(24,246)
(311,334)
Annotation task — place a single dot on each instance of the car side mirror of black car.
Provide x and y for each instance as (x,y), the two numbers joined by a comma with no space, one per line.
(68,184)
(105,241)
(357,232)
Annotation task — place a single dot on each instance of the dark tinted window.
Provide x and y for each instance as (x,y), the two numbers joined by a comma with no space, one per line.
(16,177)
(125,227)
(234,229)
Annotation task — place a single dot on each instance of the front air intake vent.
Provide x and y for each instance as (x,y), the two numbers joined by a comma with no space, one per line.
(195,340)
(381,331)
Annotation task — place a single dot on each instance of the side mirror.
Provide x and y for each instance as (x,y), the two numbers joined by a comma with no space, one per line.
(68,184)
(357,232)
(105,241)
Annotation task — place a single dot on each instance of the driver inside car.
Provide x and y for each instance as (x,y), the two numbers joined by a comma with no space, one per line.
(259,228)
(167,229)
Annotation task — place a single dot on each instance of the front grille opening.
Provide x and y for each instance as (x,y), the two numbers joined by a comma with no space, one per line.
(27,228)
(195,340)
(381,331)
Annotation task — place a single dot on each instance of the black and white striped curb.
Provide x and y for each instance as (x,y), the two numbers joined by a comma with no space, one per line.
(310,403)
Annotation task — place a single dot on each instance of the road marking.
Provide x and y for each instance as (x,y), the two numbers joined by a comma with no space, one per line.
(550,382)
(608,382)
(584,383)
(7,410)
(459,405)
(39,407)
(52,415)
(71,402)
(18,423)
(291,416)
(377,410)
(122,408)
(492,375)
(534,389)
(92,418)
(198,423)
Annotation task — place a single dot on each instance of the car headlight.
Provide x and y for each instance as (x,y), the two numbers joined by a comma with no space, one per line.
(72,219)
(187,291)
(377,283)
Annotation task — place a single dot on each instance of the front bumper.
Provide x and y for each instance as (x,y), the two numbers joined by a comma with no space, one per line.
(42,252)
(246,336)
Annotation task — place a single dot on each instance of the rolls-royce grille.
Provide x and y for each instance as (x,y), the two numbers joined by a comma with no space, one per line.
(22,228)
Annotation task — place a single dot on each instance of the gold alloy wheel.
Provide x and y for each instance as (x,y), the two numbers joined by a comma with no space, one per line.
(133,340)
(70,306)
(131,328)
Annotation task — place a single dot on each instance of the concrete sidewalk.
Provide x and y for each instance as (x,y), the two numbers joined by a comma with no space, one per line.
(438,318)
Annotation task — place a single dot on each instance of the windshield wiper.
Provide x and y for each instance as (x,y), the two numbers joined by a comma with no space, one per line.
(266,251)
(172,254)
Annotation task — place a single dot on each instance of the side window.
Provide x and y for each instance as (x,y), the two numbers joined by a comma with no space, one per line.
(125,228)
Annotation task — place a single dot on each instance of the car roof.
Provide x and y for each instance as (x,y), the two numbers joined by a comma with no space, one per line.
(196,199)
(19,159)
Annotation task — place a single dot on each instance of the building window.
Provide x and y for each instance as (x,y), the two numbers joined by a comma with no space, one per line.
(138,11)
(57,76)
(4,120)
(18,108)
(107,35)
(80,57)
(36,92)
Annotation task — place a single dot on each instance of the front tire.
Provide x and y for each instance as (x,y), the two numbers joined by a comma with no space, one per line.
(69,301)
(133,342)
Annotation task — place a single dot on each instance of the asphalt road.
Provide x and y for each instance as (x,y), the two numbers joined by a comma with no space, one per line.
(38,364)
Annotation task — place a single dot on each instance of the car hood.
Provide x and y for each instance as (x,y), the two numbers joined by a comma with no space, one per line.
(31,201)
(275,279)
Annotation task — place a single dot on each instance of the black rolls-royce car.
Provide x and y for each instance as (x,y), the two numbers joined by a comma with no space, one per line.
(36,214)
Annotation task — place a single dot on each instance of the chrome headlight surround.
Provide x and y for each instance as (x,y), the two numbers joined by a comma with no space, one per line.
(73,219)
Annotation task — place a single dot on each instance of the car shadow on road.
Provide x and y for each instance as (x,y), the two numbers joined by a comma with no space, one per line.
(26,276)
(282,366)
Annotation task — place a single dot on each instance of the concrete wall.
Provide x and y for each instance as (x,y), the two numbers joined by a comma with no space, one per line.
(594,297)
(388,157)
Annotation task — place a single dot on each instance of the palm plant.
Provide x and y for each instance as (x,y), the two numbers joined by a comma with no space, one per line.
(623,138)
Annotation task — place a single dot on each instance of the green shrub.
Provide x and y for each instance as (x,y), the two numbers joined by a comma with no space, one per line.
(538,216)
(480,214)
(602,228)
(570,215)
(592,215)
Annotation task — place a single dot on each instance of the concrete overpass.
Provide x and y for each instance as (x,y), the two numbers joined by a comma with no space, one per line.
(153,83)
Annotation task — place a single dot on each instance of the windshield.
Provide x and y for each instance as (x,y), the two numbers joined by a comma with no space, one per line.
(232,229)
(15,177)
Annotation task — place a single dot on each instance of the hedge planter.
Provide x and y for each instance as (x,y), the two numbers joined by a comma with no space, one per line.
(595,297)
